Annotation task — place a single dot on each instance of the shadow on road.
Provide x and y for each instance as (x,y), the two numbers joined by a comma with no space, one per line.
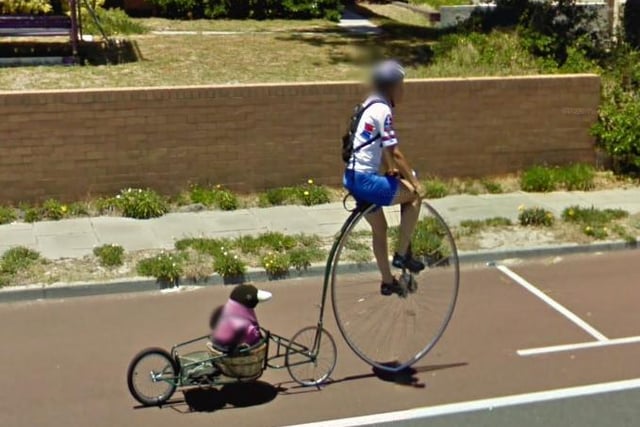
(241,395)
(406,377)
(237,395)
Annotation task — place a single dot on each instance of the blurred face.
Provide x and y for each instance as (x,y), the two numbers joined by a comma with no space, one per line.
(397,93)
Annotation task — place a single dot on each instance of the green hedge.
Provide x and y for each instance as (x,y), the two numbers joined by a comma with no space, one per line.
(250,9)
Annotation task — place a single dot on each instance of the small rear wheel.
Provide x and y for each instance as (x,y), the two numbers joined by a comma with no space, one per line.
(152,376)
(311,356)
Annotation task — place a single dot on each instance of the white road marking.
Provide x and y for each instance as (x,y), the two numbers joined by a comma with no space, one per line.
(553,304)
(578,346)
(479,405)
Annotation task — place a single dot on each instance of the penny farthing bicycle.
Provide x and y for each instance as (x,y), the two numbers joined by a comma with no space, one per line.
(392,332)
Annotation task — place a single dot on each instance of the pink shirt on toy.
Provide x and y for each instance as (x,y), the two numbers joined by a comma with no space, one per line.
(237,325)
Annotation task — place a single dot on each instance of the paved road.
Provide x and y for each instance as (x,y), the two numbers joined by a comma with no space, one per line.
(618,409)
(63,363)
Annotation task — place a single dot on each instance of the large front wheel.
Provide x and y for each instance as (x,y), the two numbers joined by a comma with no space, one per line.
(393,332)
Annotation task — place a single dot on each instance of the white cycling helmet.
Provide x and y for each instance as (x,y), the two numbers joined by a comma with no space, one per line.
(387,73)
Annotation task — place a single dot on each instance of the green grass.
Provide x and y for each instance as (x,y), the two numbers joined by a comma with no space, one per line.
(7,215)
(326,53)
(544,179)
(17,259)
(398,14)
(492,187)
(109,255)
(472,226)
(578,214)
(248,25)
(577,177)
(437,3)
(216,196)
(435,188)
(597,223)
(308,194)
(538,179)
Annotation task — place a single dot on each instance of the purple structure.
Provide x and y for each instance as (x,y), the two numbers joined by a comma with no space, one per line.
(44,25)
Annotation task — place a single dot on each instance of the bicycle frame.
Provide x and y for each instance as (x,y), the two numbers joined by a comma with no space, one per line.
(281,343)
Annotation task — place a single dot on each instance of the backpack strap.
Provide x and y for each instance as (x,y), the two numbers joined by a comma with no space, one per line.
(375,137)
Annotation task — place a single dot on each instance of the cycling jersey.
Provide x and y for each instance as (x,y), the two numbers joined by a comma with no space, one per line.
(376,122)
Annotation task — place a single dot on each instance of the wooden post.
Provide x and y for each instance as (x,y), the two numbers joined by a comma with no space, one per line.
(73,7)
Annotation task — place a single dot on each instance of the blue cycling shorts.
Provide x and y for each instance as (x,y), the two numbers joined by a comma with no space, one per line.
(371,187)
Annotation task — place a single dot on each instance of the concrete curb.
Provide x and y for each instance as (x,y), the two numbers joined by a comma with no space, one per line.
(40,292)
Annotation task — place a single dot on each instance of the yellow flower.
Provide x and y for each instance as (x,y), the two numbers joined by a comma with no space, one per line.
(218,186)
(310,182)
(571,212)
(587,228)
(521,208)
(306,193)
(63,208)
(549,215)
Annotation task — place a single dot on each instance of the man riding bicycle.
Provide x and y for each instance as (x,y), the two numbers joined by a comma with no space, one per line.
(377,172)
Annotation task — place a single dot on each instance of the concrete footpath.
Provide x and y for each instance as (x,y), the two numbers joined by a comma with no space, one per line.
(75,238)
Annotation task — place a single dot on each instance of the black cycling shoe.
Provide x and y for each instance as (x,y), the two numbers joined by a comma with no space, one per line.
(387,289)
(407,262)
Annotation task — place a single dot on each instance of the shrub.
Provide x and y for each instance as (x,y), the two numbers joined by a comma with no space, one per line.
(538,179)
(535,217)
(492,187)
(618,128)
(229,265)
(106,205)
(180,8)
(165,267)
(7,215)
(216,196)
(141,204)
(17,259)
(32,215)
(435,189)
(597,232)
(248,244)
(26,7)
(302,258)
(427,240)
(112,21)
(109,255)
(53,209)
(549,30)
(276,265)
(632,22)
(78,209)
(277,241)
(577,177)
(277,197)
(211,247)
(254,9)
(311,194)
(592,216)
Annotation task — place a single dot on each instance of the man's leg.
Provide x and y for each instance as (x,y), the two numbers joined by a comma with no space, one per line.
(380,246)
(410,212)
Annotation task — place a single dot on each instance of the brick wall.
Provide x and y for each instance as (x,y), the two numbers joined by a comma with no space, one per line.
(72,144)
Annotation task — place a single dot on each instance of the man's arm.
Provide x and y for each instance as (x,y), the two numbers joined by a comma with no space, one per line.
(401,163)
